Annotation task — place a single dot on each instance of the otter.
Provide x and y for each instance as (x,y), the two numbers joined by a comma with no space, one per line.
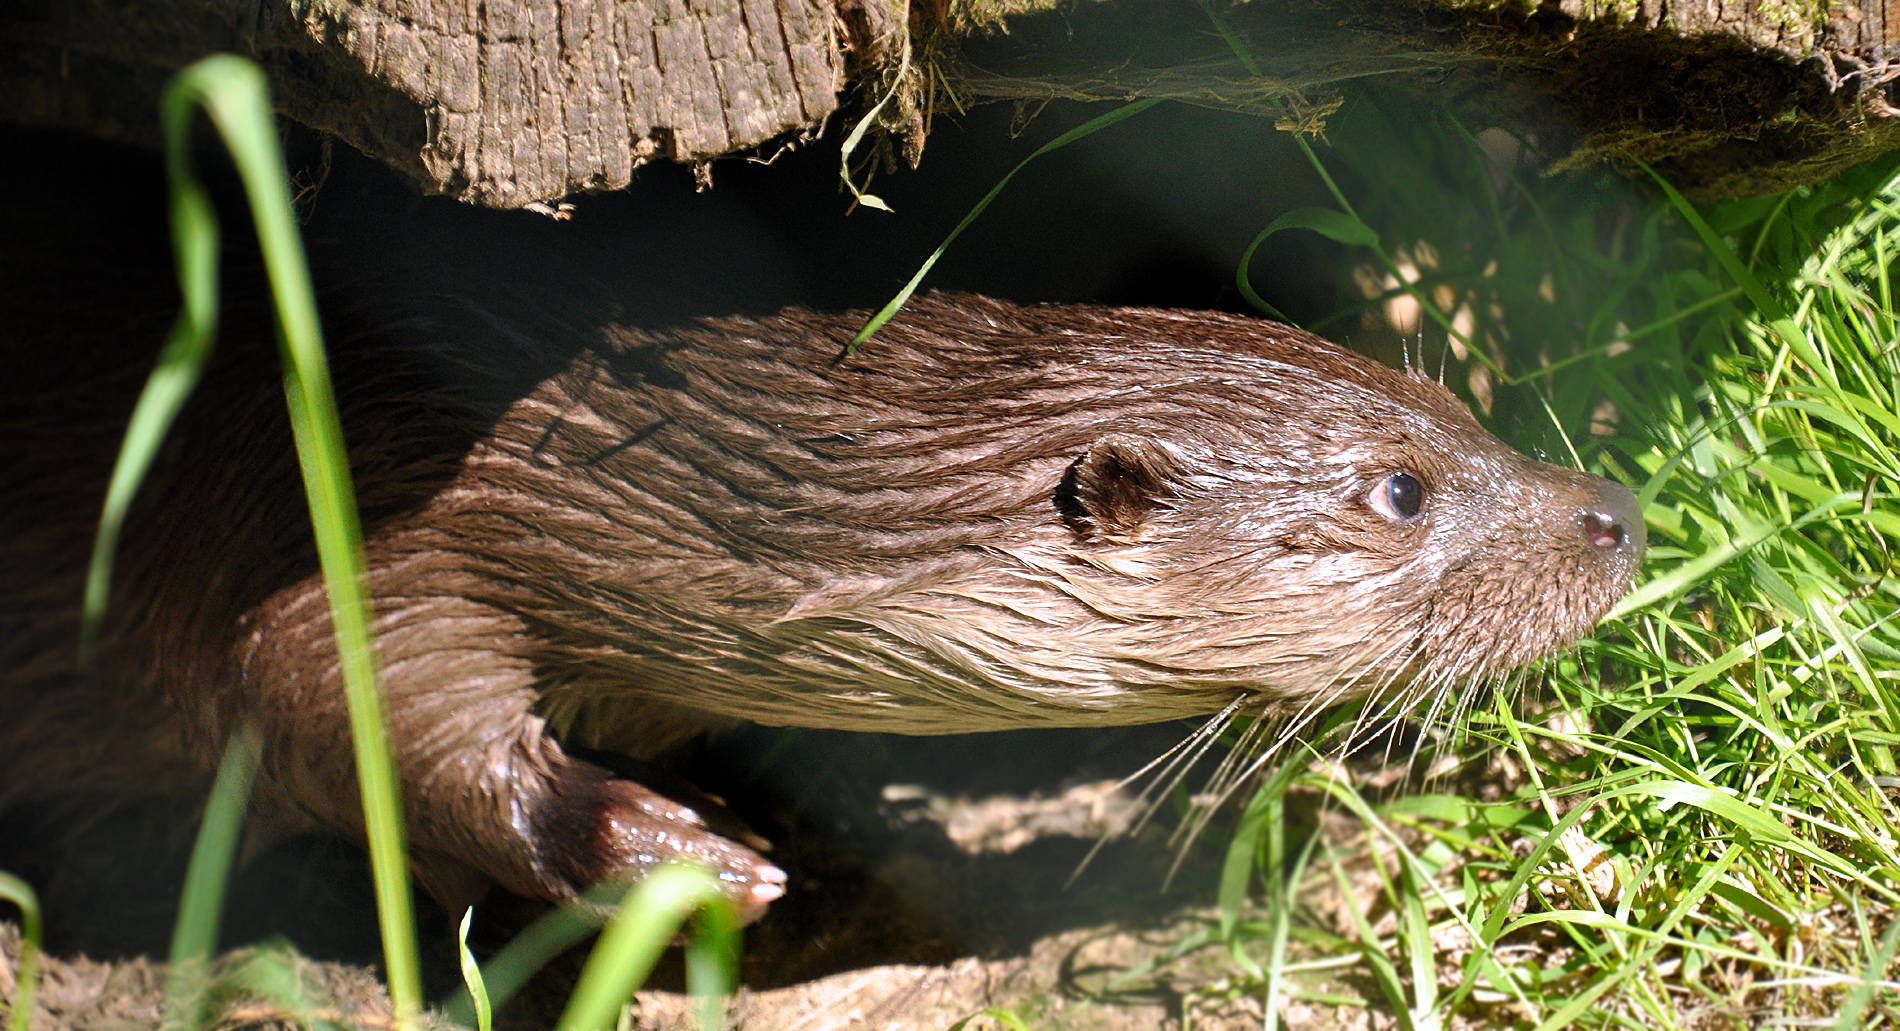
(992,516)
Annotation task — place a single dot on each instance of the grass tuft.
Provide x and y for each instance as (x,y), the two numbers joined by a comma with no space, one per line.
(1693,822)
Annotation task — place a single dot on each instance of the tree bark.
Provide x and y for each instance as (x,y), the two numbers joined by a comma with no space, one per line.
(500,103)
(511,102)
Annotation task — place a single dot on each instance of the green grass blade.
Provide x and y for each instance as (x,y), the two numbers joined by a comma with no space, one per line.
(1416,931)
(712,962)
(650,914)
(1244,850)
(505,973)
(232,92)
(1087,128)
(1720,250)
(1772,312)
(1574,1007)
(1688,574)
(1384,973)
(27,978)
(1282,901)
(201,904)
(472,975)
(194,227)
(1726,806)
(1333,225)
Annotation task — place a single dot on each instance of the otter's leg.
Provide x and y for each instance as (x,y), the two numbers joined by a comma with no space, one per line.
(488,794)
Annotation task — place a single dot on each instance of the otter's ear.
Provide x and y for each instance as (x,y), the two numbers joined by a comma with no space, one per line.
(1115,488)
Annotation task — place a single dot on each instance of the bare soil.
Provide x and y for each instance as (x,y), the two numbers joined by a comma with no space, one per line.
(890,922)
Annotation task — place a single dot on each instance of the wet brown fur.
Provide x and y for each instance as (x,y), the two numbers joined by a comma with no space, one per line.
(992,516)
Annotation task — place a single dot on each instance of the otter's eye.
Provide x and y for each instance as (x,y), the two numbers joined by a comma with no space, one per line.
(1398,497)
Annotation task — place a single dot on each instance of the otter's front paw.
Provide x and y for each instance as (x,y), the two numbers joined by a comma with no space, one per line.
(628,830)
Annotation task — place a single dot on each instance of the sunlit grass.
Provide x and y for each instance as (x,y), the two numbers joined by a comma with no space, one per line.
(1694,823)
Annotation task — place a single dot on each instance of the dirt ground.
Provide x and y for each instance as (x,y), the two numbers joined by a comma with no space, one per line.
(930,881)
(1065,983)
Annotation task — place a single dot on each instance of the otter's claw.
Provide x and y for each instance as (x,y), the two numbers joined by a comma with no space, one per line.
(636,830)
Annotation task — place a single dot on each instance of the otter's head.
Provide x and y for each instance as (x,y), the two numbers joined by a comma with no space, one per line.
(1328,529)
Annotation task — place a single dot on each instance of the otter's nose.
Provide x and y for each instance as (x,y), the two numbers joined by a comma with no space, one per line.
(1612,521)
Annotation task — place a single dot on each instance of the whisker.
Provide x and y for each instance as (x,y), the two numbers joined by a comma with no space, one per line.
(1179,758)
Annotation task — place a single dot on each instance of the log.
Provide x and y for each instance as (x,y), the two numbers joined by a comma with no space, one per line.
(498,103)
(508,103)
(1724,98)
